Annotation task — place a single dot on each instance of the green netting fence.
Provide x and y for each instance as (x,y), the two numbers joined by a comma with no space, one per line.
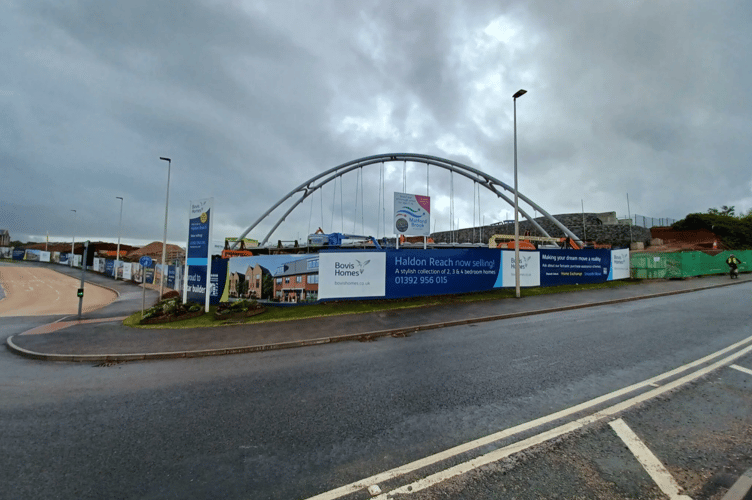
(647,265)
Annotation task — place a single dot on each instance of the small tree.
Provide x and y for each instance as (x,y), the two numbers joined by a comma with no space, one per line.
(267,286)
(725,210)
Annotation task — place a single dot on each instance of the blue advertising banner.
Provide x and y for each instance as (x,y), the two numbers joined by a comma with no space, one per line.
(109,267)
(199,246)
(411,273)
(18,253)
(171,277)
(569,267)
(198,232)
(196,287)
(149,272)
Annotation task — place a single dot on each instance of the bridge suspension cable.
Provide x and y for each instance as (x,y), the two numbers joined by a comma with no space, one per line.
(481,178)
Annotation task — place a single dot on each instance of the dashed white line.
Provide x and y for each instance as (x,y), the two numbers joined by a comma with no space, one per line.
(648,460)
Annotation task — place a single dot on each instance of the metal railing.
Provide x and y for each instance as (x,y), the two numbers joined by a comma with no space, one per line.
(648,222)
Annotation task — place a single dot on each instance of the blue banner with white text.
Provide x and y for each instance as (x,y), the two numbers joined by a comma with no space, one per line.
(411,273)
(109,267)
(196,288)
(574,267)
(403,273)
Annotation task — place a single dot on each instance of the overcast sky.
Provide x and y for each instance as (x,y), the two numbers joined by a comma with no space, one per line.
(252,98)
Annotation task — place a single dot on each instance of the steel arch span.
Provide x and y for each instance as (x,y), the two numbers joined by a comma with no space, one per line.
(481,178)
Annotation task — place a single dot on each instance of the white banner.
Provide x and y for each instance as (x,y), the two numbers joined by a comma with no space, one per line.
(352,274)
(137,274)
(529,269)
(412,214)
(127,268)
(620,264)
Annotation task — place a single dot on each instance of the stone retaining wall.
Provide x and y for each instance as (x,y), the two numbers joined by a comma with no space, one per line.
(617,235)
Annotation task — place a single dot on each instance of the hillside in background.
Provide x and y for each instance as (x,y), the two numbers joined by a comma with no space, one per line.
(735,233)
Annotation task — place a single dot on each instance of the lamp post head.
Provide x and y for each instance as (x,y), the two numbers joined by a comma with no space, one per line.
(165,159)
(119,198)
(519,93)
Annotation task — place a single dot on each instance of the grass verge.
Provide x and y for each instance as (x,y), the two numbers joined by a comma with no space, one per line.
(365,306)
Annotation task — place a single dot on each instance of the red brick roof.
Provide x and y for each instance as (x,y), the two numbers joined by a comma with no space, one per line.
(154,250)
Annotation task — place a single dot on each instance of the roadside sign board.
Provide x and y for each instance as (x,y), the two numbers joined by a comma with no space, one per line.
(198,257)
(412,214)
(145,261)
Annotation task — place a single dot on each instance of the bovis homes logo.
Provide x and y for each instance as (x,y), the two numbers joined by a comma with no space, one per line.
(524,262)
(352,274)
(350,269)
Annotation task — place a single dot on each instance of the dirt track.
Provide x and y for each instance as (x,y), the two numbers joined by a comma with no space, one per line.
(36,291)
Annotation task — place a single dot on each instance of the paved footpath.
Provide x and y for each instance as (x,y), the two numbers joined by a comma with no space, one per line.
(102,337)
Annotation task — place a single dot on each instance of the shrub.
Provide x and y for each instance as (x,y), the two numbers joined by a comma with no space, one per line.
(734,232)
(171,307)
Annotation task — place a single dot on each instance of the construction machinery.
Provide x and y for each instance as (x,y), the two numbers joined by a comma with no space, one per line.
(338,239)
(533,242)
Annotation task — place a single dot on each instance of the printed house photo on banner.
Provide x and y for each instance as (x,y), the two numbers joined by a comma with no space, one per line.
(274,278)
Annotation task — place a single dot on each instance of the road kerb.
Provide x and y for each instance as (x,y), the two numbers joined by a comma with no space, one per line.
(339,338)
(741,487)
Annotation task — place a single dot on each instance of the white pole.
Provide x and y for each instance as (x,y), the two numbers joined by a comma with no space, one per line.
(120,227)
(629,214)
(584,231)
(164,239)
(207,297)
(73,243)
(516,203)
(185,269)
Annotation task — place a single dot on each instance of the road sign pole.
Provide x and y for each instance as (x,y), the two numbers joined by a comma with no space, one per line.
(83,272)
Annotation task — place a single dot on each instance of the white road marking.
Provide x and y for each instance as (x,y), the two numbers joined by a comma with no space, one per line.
(432,459)
(506,451)
(742,369)
(648,460)
(527,443)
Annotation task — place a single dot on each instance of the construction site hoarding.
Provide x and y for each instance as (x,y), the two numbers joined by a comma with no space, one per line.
(413,272)
(651,265)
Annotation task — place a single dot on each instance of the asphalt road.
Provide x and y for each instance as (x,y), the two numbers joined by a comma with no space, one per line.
(293,424)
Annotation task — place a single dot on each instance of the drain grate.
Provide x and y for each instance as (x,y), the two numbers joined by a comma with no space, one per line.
(107,364)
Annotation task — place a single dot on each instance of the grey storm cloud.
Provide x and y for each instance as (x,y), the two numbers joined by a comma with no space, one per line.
(252,98)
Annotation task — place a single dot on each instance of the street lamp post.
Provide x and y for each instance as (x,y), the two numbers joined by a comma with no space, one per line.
(120,226)
(73,244)
(164,239)
(517,94)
